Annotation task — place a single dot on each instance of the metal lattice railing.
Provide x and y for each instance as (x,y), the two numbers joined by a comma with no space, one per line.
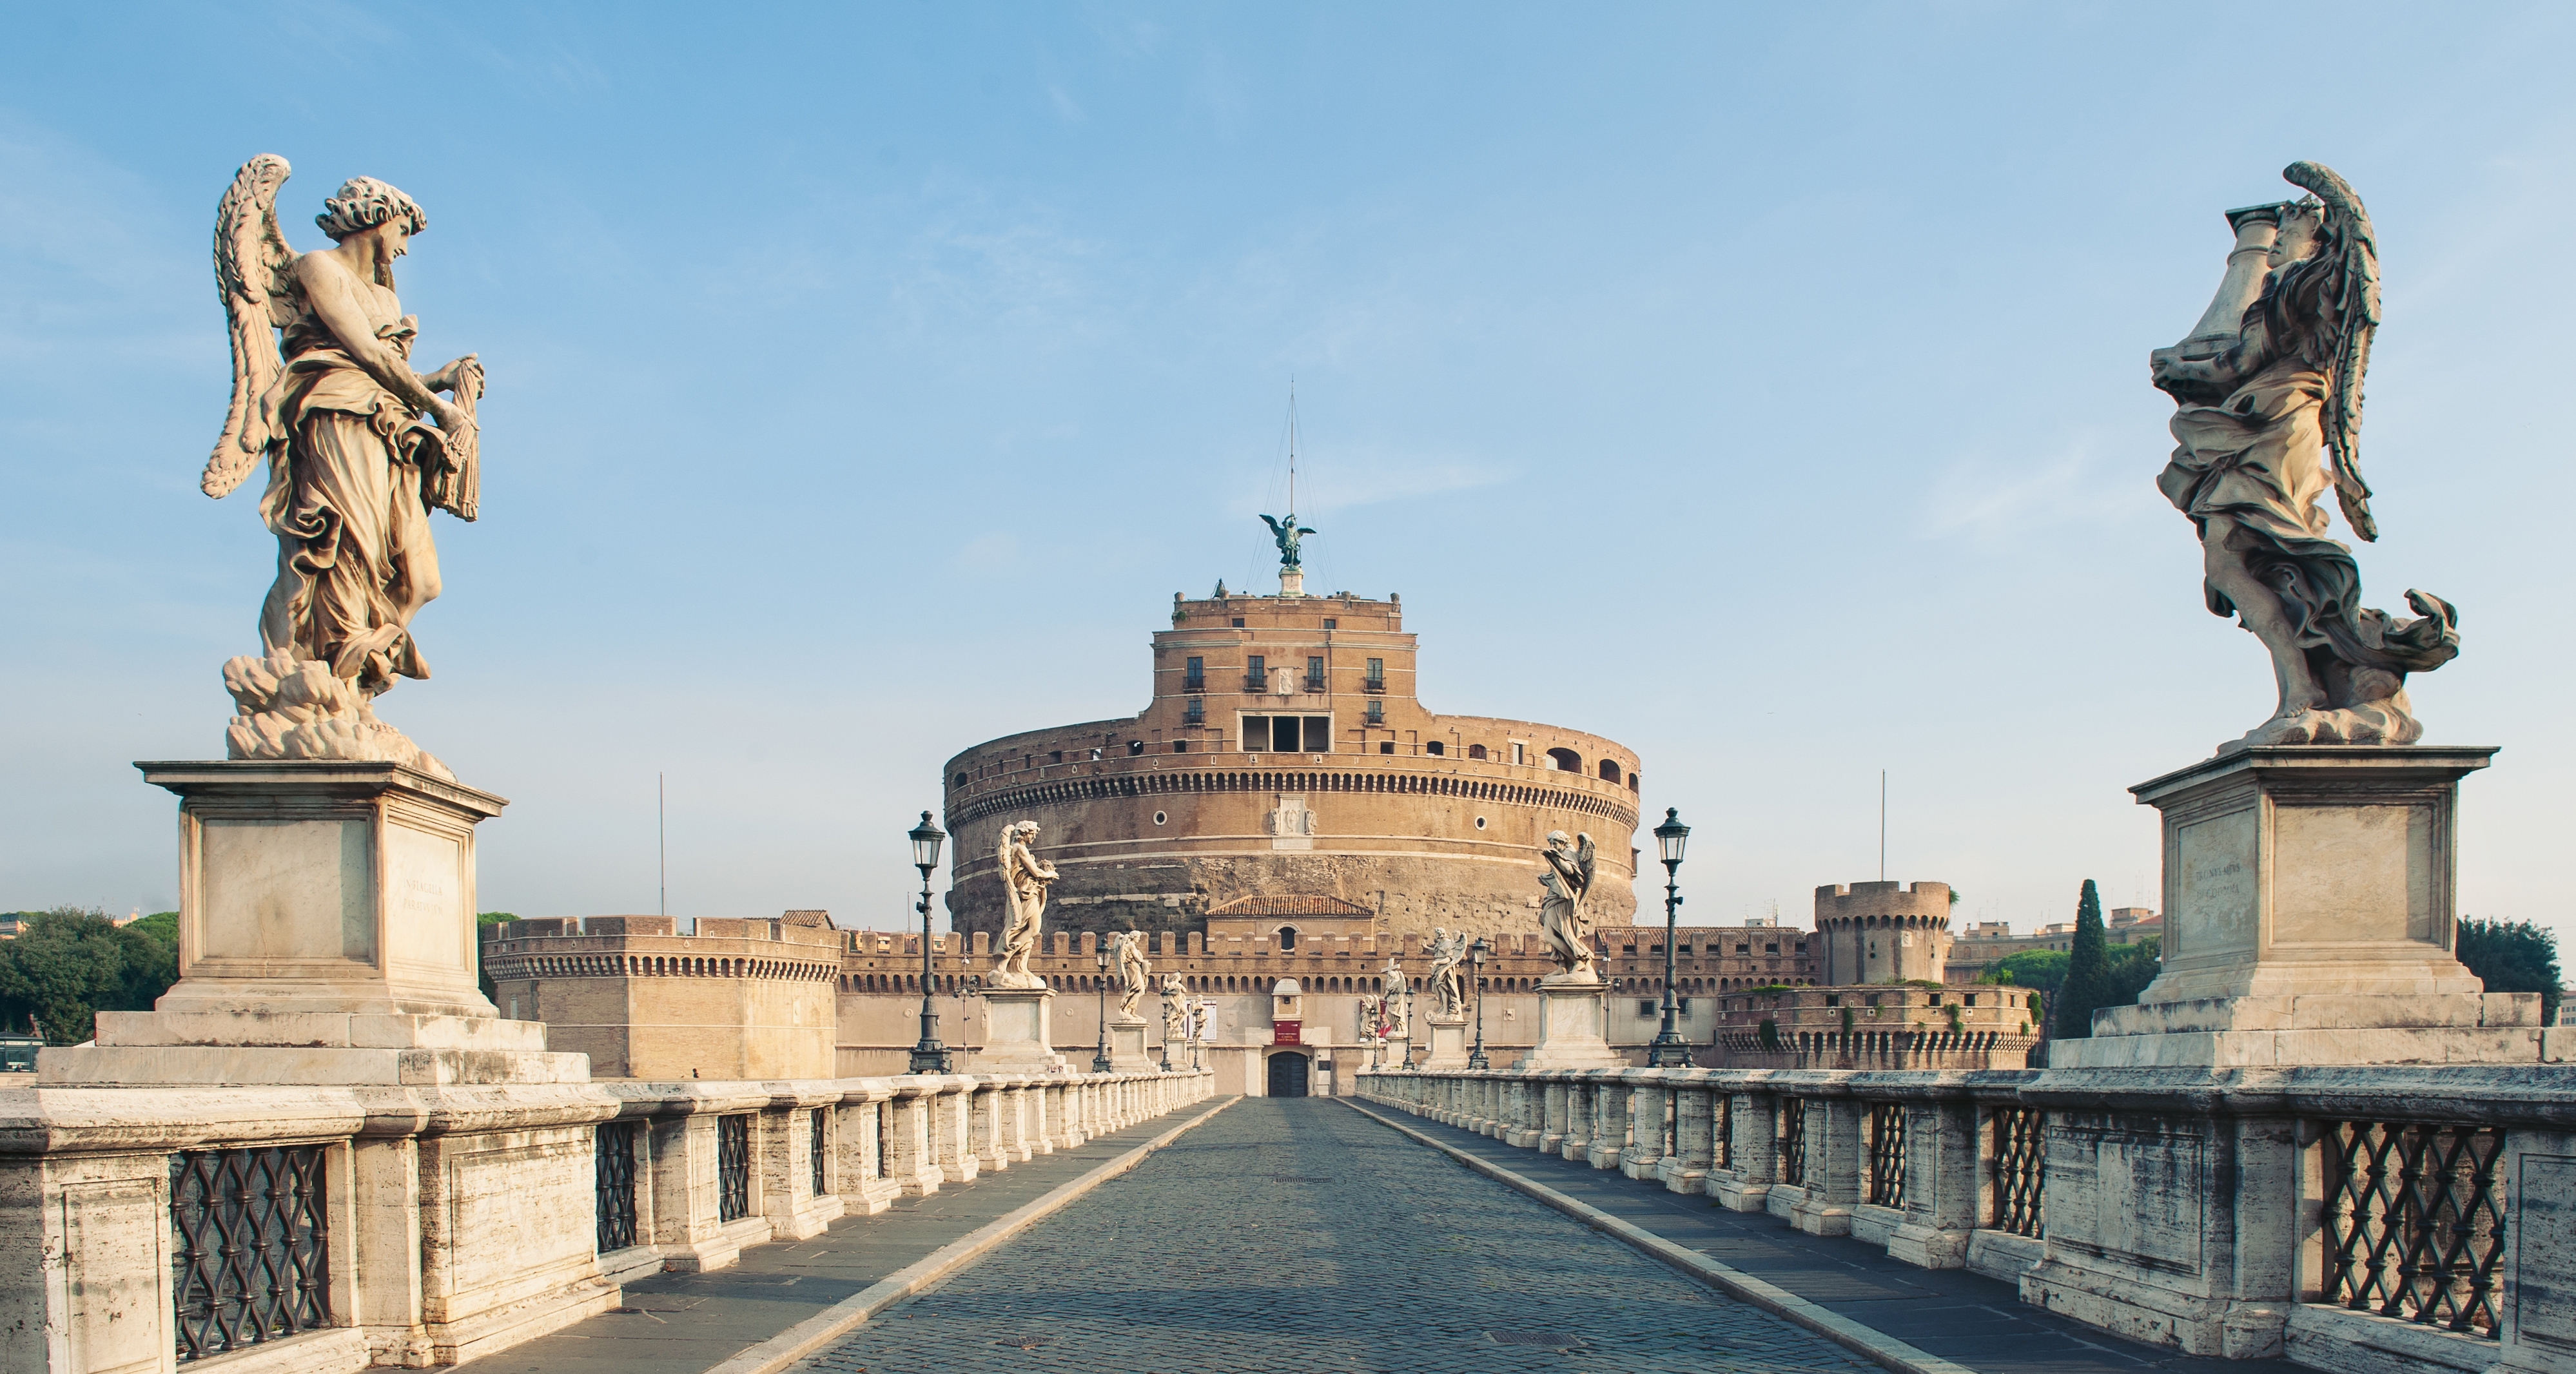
(733,1168)
(2415,1224)
(885,1139)
(1887,1153)
(613,1152)
(1722,1128)
(1793,1141)
(822,1150)
(2021,1170)
(250,1258)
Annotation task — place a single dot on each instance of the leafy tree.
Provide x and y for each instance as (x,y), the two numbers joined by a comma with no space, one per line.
(2088,969)
(2043,969)
(67,965)
(2132,968)
(2512,956)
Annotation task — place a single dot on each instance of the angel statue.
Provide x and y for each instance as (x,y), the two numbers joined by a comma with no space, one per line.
(1025,877)
(359,449)
(1447,951)
(1176,1011)
(1134,974)
(2268,417)
(1286,537)
(1568,880)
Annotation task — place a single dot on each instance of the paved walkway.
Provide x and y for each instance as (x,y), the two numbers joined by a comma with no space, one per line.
(685,1323)
(1967,1318)
(1298,1236)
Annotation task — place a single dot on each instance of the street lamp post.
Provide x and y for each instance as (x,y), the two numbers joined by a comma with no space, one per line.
(1408,1025)
(1100,1058)
(928,1056)
(1669,1049)
(1477,953)
(1167,1033)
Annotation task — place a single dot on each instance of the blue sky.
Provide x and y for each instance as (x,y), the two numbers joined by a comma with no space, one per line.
(1763,387)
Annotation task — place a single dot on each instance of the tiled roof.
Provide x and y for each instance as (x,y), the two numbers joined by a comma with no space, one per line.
(1260,906)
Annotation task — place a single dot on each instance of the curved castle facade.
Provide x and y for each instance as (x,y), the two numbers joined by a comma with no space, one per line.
(1284,756)
(1883,932)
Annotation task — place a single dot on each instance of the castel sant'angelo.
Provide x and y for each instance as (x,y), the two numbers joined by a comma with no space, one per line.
(1283,768)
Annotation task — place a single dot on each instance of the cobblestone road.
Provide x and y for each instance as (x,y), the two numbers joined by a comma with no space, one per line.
(1297,1236)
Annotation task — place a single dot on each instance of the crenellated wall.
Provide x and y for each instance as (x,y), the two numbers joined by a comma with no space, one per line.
(1883,932)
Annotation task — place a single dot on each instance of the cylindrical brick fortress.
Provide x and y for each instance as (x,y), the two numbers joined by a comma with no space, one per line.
(1284,754)
(1883,932)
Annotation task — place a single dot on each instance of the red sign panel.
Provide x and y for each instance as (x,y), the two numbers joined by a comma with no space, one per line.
(1286,1032)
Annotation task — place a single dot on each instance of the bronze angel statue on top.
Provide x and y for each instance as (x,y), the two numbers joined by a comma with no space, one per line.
(2269,392)
(358,447)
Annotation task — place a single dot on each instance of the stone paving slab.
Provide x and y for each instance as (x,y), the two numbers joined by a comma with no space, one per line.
(687,1323)
(1292,1236)
(1967,1318)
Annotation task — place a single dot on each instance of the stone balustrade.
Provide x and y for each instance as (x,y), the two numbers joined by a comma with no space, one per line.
(312,1228)
(2380,1218)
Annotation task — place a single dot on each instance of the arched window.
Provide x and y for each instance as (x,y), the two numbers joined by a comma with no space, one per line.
(1475,751)
(1609,770)
(1435,749)
(1287,938)
(961,780)
(1565,760)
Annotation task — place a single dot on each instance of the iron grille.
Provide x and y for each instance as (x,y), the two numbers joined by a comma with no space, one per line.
(1793,1141)
(1887,1153)
(2021,1170)
(1724,1128)
(885,1157)
(250,1252)
(613,1147)
(2414,1223)
(821,1150)
(733,1168)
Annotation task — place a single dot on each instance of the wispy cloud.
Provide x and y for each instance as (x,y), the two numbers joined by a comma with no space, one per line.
(1989,499)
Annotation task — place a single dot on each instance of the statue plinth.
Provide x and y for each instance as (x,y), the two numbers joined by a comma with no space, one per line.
(1018,1032)
(1570,1022)
(326,935)
(1292,582)
(2308,893)
(1448,1043)
(1127,1053)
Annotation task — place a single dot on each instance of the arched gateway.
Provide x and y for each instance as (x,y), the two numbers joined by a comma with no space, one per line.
(1288,1070)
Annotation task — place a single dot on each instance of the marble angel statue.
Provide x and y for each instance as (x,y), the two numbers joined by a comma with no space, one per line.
(2269,394)
(1176,1011)
(1134,973)
(1447,949)
(1561,918)
(1025,878)
(358,449)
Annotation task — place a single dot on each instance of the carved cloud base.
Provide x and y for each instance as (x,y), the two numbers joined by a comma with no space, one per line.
(290,709)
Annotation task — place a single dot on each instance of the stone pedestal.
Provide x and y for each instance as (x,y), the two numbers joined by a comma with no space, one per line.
(326,936)
(2309,916)
(1448,1043)
(1018,1029)
(1569,1028)
(2309,919)
(1127,1053)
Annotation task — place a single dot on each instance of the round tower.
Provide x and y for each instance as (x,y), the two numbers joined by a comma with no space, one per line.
(1883,932)
(1284,758)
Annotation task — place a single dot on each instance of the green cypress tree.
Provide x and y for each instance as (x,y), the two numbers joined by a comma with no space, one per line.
(2088,970)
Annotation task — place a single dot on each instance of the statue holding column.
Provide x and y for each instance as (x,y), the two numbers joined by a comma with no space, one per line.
(1025,878)
(358,449)
(1447,950)
(2269,391)
(1561,917)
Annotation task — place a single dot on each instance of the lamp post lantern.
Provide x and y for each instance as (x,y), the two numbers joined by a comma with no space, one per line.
(1477,954)
(1408,1025)
(928,1056)
(1100,1057)
(1669,1049)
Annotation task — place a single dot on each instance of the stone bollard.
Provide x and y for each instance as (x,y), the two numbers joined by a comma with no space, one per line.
(1744,1183)
(954,1130)
(1833,1165)
(1574,1126)
(1943,1182)
(1610,1118)
(1696,1102)
(1649,1134)
(866,1184)
(916,1158)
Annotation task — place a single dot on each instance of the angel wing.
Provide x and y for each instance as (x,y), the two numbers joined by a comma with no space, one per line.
(1275,531)
(255,277)
(2357,304)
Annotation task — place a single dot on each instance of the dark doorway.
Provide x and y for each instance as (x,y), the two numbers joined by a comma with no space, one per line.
(1288,1075)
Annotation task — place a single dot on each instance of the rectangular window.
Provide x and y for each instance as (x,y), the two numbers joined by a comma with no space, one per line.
(1196,677)
(1256,734)
(1314,673)
(1331,624)
(1520,753)
(1256,674)
(1376,678)
(1055,756)
(1319,734)
(1377,713)
(1285,734)
(1196,712)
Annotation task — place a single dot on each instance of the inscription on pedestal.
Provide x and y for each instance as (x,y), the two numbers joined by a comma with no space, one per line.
(424,898)
(2217,906)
